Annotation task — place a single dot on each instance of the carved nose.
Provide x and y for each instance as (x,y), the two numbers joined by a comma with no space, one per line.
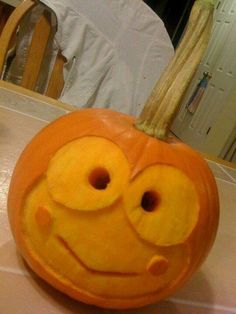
(158,265)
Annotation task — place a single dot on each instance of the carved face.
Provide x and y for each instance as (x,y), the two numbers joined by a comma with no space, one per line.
(108,230)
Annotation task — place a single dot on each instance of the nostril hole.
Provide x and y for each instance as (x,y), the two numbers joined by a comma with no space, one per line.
(99,178)
(150,200)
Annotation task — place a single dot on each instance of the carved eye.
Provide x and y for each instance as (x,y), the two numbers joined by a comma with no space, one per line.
(88,173)
(157,204)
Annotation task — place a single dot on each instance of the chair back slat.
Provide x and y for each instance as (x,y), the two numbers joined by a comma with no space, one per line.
(36,53)
(56,81)
(5,12)
(10,29)
(38,73)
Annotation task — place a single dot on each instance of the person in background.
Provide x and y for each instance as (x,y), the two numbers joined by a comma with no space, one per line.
(115,51)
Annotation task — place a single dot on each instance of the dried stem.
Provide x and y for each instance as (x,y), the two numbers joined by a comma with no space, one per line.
(164,101)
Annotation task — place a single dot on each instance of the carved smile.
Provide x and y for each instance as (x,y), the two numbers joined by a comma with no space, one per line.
(76,257)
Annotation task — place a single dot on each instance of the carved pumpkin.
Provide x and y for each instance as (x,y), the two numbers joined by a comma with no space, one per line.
(108,214)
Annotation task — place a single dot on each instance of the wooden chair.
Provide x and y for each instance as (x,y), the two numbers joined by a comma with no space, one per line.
(36,50)
(5,12)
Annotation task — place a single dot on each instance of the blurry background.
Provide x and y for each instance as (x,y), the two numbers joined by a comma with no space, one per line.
(174,14)
(210,126)
(206,121)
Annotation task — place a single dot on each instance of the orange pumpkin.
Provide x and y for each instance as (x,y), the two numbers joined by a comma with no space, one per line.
(108,214)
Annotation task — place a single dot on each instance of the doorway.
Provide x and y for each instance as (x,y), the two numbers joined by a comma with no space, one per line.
(208,128)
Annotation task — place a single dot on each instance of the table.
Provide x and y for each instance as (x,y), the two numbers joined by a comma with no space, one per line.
(212,290)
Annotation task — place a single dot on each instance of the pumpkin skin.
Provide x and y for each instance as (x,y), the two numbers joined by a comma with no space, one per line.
(116,253)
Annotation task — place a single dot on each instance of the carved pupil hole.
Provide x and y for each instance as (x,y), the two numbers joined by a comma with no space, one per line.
(99,178)
(149,201)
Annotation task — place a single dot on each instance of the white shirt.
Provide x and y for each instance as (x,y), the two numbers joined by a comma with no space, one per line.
(115,51)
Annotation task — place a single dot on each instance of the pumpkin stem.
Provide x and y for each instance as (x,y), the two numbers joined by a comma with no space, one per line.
(165,99)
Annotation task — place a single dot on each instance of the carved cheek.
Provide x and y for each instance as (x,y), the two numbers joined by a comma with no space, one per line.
(43,217)
(158,265)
